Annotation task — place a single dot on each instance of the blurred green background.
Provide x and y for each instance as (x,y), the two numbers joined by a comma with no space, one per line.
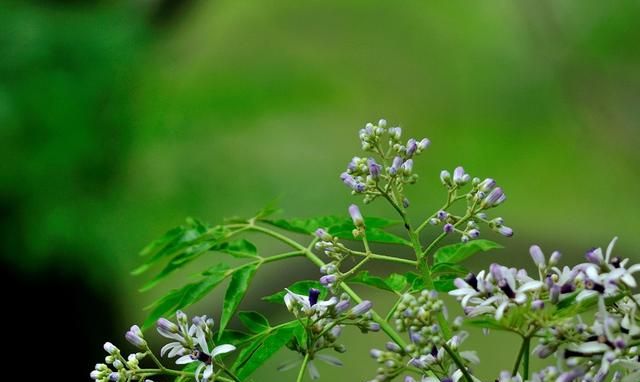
(119,119)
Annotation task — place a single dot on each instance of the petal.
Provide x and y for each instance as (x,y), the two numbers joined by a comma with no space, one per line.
(199,370)
(500,310)
(629,280)
(331,360)
(208,372)
(610,248)
(202,340)
(462,292)
(313,371)
(176,351)
(222,349)
(531,285)
(185,359)
(169,346)
(289,364)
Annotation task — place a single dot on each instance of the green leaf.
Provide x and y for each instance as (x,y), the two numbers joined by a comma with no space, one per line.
(251,358)
(254,321)
(240,248)
(456,253)
(235,292)
(444,283)
(374,235)
(189,241)
(416,281)
(233,337)
(393,283)
(182,297)
(270,209)
(299,287)
(449,268)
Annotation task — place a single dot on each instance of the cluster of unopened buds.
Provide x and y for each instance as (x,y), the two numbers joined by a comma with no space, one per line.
(483,195)
(116,367)
(428,352)
(366,176)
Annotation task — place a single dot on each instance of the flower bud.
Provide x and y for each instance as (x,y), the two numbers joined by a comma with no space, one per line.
(495,197)
(322,234)
(407,167)
(505,231)
(555,258)
(460,177)
(110,348)
(328,280)
(395,165)
(374,168)
(356,216)
(423,144)
(445,177)
(166,326)
(412,147)
(448,228)
(474,233)
(134,336)
(361,308)
(487,185)
(537,256)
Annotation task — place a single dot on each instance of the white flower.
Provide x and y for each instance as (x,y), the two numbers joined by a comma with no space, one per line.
(205,356)
(308,304)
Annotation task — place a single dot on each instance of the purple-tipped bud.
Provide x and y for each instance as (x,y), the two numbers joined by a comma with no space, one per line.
(362,308)
(474,233)
(110,348)
(348,180)
(555,258)
(374,168)
(376,353)
(135,339)
(554,293)
(407,167)
(393,347)
(322,234)
(395,165)
(314,294)
(505,231)
(487,185)
(328,280)
(537,256)
(415,362)
(114,377)
(412,147)
(448,228)
(373,327)
(359,187)
(594,256)
(495,197)
(459,175)
(409,378)
(395,132)
(537,304)
(442,215)
(167,326)
(356,216)
(423,144)
(342,306)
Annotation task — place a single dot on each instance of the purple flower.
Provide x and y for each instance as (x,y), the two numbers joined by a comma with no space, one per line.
(487,185)
(495,197)
(362,308)
(459,176)
(448,228)
(407,167)
(423,144)
(395,165)
(314,294)
(412,147)
(505,231)
(134,336)
(342,306)
(328,279)
(442,215)
(537,256)
(374,168)
(322,234)
(474,233)
(356,216)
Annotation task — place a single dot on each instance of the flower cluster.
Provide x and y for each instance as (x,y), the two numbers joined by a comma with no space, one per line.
(549,307)
(428,351)
(190,344)
(116,367)
(483,195)
(372,179)
(324,322)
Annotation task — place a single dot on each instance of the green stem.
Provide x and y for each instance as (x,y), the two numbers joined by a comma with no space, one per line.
(375,256)
(303,367)
(458,362)
(524,348)
(318,262)
(525,377)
